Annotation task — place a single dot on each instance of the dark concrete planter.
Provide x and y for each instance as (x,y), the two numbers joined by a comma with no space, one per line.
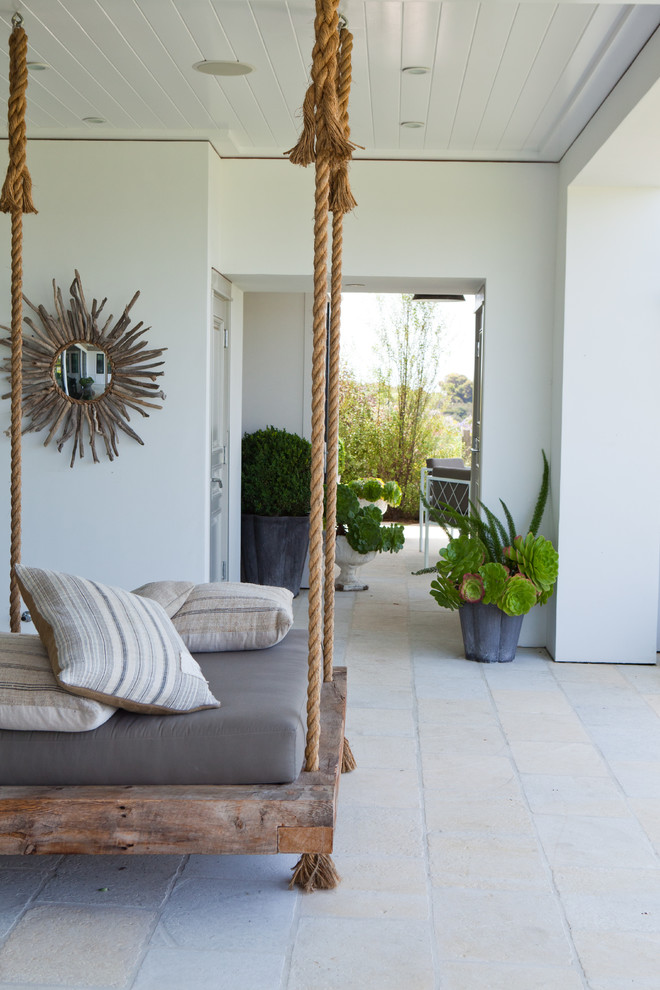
(273,550)
(489,634)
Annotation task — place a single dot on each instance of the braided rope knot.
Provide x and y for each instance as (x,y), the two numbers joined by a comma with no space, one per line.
(16,194)
(323,128)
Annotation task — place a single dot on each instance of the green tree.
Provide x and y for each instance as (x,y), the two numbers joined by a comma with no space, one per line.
(409,349)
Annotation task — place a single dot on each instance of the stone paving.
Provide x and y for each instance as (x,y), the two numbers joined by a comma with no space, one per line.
(501,832)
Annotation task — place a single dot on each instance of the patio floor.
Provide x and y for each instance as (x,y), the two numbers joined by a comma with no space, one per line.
(501,832)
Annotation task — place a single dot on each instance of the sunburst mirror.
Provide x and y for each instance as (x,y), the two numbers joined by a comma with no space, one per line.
(82,378)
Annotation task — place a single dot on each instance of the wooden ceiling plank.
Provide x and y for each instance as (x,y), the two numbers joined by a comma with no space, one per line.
(384,27)
(82,67)
(604,52)
(97,19)
(527,32)
(240,21)
(169,51)
(457,25)
(564,30)
(492,32)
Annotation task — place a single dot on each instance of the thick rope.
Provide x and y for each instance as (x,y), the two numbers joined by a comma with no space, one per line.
(16,199)
(322,194)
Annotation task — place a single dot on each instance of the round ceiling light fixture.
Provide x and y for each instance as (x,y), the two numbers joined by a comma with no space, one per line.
(94,120)
(416,70)
(217,68)
(37,66)
(412,123)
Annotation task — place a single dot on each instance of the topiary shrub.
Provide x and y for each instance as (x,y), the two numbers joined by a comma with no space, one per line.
(276,473)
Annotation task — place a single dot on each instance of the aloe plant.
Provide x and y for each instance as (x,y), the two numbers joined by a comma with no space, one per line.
(490,562)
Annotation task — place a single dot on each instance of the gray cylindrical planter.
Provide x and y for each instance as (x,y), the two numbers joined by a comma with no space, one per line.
(273,550)
(489,634)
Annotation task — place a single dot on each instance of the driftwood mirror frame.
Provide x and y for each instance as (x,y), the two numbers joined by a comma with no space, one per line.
(132,384)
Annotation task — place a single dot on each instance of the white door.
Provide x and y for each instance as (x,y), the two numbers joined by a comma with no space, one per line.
(475,478)
(219,439)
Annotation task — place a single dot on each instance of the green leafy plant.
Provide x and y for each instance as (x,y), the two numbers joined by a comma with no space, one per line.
(276,473)
(489,562)
(362,525)
(375,490)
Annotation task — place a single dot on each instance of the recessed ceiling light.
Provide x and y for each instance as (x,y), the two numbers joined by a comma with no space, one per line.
(412,123)
(416,70)
(38,66)
(354,285)
(215,68)
(94,120)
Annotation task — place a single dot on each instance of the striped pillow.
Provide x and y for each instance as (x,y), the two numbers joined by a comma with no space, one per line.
(234,616)
(170,594)
(108,644)
(31,698)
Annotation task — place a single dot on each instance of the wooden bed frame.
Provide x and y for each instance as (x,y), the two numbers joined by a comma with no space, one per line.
(234,818)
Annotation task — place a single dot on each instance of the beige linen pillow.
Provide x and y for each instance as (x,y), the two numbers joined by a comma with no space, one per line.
(170,594)
(31,698)
(108,644)
(234,616)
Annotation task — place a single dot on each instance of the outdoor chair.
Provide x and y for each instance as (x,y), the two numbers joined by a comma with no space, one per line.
(444,480)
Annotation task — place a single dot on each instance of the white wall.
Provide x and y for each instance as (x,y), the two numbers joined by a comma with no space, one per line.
(491,221)
(128,216)
(277,341)
(609,522)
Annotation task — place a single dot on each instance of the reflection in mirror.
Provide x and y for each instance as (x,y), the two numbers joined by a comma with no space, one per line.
(86,373)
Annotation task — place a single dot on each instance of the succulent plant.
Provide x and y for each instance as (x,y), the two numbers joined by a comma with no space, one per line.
(487,562)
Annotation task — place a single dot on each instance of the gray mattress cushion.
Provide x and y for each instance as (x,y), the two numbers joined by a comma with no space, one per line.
(257,736)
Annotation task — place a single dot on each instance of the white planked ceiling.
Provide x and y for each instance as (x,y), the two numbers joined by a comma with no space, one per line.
(507,81)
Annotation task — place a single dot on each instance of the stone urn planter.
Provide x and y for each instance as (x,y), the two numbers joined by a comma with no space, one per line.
(349,561)
(489,634)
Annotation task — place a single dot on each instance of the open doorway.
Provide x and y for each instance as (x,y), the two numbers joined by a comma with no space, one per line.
(411,386)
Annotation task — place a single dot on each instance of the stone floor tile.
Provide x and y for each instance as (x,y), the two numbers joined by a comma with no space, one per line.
(435,709)
(380,788)
(38,864)
(639,779)
(375,696)
(614,912)
(231,916)
(645,678)
(134,881)
(476,814)
(551,728)
(500,926)
(346,903)
(75,947)
(647,811)
(653,701)
(343,953)
(184,969)
(606,881)
(487,860)
(572,759)
(261,871)
(385,753)
(576,841)
(547,702)
(618,960)
(551,794)
(486,976)
(391,831)
(377,722)
(492,776)
(393,875)
(16,890)
(588,673)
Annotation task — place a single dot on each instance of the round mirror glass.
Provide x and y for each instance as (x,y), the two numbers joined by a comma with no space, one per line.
(82,371)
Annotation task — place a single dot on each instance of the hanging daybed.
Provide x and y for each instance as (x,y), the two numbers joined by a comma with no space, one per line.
(122,787)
